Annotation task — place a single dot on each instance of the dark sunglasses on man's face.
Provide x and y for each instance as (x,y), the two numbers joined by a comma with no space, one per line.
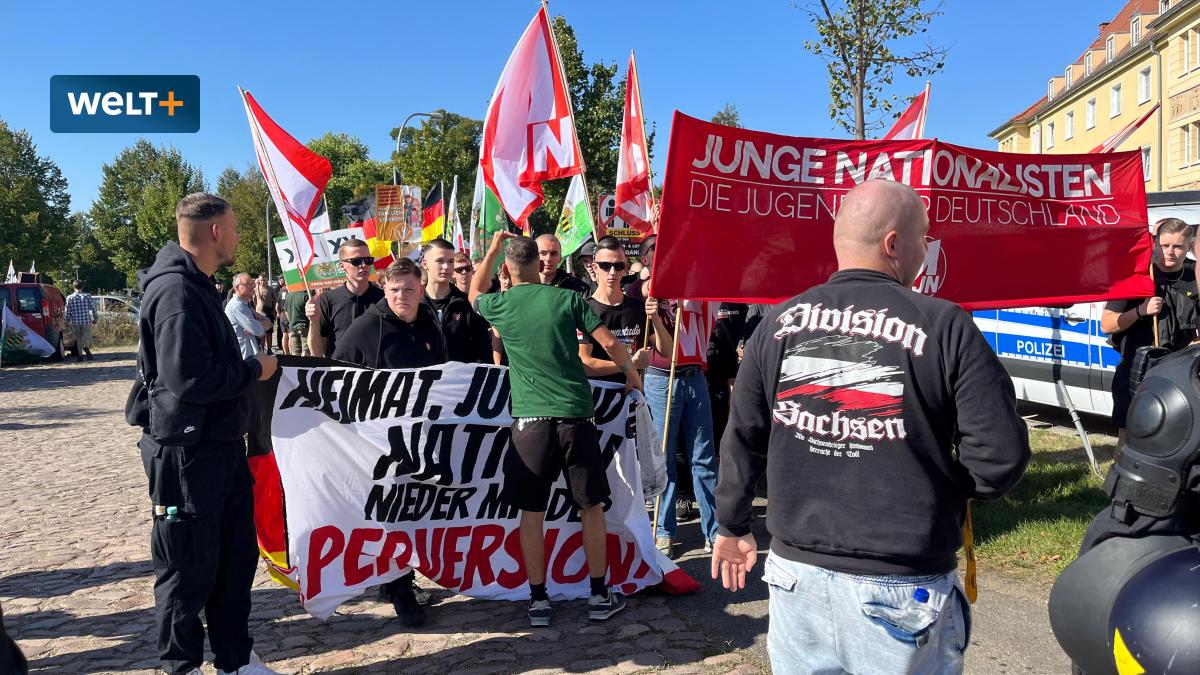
(359,262)
(463,270)
(607,266)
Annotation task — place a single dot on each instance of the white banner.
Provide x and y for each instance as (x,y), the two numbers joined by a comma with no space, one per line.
(325,247)
(386,469)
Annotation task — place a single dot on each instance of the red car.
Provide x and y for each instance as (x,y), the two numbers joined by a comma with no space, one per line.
(42,307)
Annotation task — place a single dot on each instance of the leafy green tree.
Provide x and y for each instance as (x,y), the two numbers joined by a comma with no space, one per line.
(134,215)
(247,194)
(856,40)
(354,172)
(34,205)
(89,261)
(728,116)
(439,150)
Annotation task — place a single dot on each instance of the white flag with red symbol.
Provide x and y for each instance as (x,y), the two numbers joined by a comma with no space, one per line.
(1113,142)
(911,123)
(295,175)
(529,130)
(634,201)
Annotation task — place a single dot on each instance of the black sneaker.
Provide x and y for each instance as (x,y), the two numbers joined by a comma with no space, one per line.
(684,511)
(600,607)
(539,613)
(411,613)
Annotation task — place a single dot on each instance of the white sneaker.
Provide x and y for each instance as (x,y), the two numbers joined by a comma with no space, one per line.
(255,667)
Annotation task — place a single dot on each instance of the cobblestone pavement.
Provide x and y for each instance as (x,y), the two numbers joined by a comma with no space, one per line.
(76,584)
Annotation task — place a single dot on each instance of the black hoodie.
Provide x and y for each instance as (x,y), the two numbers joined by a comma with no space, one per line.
(195,378)
(379,339)
(876,413)
(465,332)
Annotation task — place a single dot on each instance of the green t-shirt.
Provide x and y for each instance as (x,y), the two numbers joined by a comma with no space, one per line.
(538,325)
(293,306)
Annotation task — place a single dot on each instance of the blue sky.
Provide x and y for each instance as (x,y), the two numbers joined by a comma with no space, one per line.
(360,68)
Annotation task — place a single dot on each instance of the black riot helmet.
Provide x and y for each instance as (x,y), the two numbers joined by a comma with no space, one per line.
(1160,461)
(1154,626)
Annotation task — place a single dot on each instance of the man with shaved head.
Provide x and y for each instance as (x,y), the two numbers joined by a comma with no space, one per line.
(554,429)
(876,413)
(190,399)
(549,257)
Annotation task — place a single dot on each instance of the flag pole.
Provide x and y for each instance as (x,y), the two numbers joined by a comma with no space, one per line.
(562,77)
(670,395)
(924,112)
(267,167)
(642,118)
(1155,282)
(267,228)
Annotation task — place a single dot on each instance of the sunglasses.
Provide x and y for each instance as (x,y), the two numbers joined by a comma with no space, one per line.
(359,262)
(463,270)
(607,266)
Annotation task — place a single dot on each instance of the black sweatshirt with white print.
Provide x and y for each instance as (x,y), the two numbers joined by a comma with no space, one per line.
(876,413)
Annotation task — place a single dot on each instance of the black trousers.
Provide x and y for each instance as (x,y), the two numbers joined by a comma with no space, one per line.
(205,556)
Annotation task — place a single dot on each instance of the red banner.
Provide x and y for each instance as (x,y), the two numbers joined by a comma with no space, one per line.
(748,216)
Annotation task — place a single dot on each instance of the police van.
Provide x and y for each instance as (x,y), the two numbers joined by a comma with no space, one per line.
(1041,346)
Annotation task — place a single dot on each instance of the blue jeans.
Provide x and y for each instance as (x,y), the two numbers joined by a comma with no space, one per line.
(828,622)
(692,426)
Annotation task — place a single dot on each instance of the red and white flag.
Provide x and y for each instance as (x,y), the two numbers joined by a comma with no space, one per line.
(1113,142)
(529,130)
(911,123)
(295,175)
(634,201)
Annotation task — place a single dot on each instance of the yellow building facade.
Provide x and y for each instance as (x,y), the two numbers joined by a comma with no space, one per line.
(1147,55)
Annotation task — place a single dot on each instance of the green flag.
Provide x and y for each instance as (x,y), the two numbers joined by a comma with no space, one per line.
(575,224)
(487,217)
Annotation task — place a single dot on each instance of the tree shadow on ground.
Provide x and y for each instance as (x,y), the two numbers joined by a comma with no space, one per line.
(282,630)
(66,581)
(735,620)
(107,367)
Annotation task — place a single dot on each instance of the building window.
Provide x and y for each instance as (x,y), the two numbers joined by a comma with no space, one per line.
(1050,90)
(1087,64)
(1163,6)
(1185,52)
(1050,135)
(1069,126)
(1194,143)
(1135,29)
(1089,114)
(1067,78)
(1035,140)
(1144,85)
(1114,100)
(1146,163)
(1186,142)
(1194,40)
(1110,49)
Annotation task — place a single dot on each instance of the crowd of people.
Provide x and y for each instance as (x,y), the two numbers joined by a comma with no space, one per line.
(873,413)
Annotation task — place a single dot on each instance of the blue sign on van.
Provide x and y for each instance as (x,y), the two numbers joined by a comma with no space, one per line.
(138,104)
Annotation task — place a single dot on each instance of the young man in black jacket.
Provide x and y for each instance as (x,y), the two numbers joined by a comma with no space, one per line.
(876,413)
(399,331)
(190,400)
(465,332)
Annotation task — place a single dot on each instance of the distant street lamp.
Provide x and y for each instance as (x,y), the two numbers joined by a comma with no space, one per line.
(431,115)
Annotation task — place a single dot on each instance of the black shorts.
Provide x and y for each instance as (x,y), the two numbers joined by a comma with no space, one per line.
(543,448)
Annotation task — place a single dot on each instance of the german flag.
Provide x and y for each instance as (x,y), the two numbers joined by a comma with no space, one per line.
(433,215)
